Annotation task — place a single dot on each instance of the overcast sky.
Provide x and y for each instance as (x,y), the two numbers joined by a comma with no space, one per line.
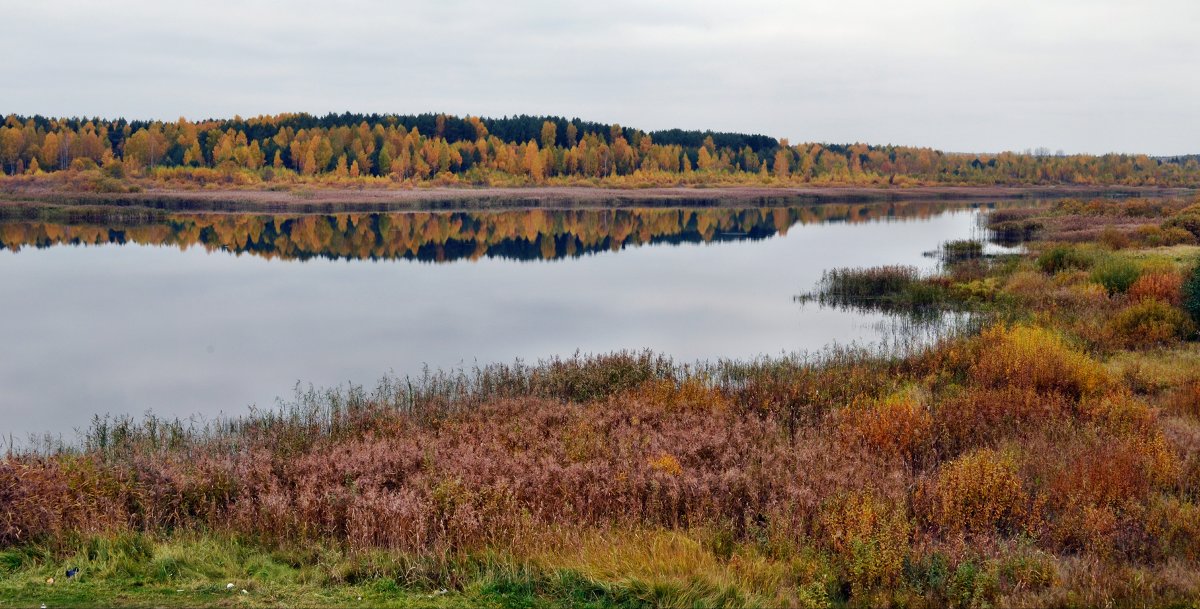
(960,75)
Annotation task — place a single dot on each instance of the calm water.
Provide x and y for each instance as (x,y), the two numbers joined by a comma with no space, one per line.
(207,313)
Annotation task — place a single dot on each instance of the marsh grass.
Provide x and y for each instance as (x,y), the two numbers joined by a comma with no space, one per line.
(1010,227)
(953,252)
(889,289)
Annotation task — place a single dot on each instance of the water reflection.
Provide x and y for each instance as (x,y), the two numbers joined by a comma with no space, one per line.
(531,234)
(160,317)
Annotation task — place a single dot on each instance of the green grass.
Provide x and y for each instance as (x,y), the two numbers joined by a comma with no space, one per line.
(132,570)
(962,249)
(195,570)
(889,289)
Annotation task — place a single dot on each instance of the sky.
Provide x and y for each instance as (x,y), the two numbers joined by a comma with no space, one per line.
(1090,76)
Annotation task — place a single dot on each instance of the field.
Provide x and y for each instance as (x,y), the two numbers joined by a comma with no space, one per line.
(1045,454)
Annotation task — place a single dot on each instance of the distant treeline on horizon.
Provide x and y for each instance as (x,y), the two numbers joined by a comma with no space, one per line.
(519,150)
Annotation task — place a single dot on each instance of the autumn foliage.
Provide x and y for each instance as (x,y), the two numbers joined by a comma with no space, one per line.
(1032,358)
(393,150)
(979,492)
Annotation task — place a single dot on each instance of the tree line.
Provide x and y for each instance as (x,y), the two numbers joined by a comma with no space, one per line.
(520,149)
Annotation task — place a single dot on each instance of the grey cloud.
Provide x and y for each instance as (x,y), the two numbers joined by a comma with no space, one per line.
(1089,76)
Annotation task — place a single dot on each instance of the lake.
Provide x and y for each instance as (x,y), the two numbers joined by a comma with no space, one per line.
(187,313)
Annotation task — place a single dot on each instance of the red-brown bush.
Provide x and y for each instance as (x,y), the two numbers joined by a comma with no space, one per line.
(1163,286)
(897,427)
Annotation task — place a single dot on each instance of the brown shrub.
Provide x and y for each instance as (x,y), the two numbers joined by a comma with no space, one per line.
(1087,581)
(42,498)
(1114,239)
(1174,526)
(1082,296)
(1183,435)
(1185,398)
(463,480)
(1159,236)
(1121,414)
(984,416)
(1029,286)
(805,396)
(1095,489)
(1187,219)
(1114,471)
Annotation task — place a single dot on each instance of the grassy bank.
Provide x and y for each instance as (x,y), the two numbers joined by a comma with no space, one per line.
(1050,459)
(216,570)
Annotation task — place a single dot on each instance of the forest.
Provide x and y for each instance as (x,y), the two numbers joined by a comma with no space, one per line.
(390,150)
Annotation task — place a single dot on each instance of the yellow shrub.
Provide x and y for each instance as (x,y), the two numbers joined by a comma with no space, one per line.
(667,464)
(1035,358)
(1148,323)
(1072,278)
(1174,524)
(870,537)
(979,492)
(1120,413)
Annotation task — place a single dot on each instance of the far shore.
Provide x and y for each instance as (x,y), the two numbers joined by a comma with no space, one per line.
(442,197)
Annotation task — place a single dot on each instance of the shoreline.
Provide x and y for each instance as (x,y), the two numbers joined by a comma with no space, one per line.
(451,197)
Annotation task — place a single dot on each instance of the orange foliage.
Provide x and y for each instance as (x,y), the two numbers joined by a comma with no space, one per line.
(1163,286)
(1113,472)
(897,427)
(667,464)
(985,415)
(688,393)
(1120,413)
(1098,489)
